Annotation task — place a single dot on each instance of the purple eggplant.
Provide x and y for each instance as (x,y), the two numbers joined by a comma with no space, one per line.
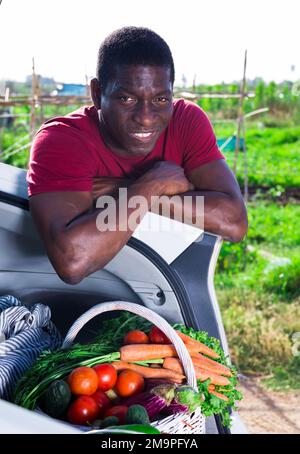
(154,400)
(152,403)
(174,408)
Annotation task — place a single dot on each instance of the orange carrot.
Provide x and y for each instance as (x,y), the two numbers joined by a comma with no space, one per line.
(211,390)
(201,372)
(202,375)
(215,367)
(201,347)
(144,352)
(173,364)
(212,362)
(149,372)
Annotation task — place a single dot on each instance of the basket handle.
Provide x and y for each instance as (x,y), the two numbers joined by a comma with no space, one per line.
(149,315)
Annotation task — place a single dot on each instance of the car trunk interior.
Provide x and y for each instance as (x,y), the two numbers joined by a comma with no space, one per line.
(136,274)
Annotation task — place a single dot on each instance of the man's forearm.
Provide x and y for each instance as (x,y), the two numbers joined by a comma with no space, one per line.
(88,247)
(222,214)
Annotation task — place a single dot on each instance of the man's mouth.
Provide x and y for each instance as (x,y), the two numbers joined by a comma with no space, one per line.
(143,136)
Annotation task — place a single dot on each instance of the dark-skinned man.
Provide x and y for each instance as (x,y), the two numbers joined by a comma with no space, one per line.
(134,136)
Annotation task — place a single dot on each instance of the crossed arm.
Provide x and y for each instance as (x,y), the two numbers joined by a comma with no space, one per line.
(67,220)
(225,213)
(224,209)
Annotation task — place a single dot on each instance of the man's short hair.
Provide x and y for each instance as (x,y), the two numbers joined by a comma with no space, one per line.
(132,46)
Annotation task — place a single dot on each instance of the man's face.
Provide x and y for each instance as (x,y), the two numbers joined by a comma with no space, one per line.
(136,107)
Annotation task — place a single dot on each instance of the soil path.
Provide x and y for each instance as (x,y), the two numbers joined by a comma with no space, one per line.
(269,412)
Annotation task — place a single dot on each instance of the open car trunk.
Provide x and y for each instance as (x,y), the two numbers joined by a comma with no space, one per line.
(169,272)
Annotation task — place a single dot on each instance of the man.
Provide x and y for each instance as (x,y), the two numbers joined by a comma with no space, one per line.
(135,136)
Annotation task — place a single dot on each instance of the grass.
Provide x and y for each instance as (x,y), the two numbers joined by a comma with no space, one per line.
(285,378)
(260,296)
(10,151)
(272,154)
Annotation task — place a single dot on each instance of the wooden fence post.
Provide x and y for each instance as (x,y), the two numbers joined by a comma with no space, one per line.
(240,115)
(33,102)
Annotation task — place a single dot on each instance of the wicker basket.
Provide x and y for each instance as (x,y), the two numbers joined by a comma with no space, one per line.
(181,423)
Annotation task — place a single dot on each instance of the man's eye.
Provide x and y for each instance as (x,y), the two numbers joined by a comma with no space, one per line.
(162,99)
(126,99)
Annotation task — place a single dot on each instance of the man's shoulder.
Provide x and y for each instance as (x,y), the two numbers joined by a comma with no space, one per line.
(184,109)
(82,119)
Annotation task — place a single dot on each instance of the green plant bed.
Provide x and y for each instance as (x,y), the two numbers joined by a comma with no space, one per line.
(272,155)
(258,289)
(285,378)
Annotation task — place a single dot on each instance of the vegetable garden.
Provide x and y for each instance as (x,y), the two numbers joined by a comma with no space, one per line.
(258,280)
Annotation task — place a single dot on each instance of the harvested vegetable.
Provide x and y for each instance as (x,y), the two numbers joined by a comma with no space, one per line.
(207,363)
(137,414)
(119,411)
(156,336)
(59,364)
(153,404)
(56,399)
(129,383)
(149,372)
(176,365)
(102,400)
(189,342)
(83,411)
(202,373)
(174,408)
(107,376)
(133,353)
(185,395)
(154,400)
(213,391)
(136,337)
(83,381)
(109,421)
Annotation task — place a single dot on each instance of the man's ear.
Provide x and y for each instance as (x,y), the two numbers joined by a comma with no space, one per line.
(96,93)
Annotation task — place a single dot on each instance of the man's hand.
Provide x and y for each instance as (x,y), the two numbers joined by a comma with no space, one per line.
(108,186)
(169,177)
(224,210)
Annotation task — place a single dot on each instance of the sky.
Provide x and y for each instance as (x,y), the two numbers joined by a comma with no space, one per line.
(207,38)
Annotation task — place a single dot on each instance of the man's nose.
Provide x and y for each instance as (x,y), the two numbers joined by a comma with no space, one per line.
(144,114)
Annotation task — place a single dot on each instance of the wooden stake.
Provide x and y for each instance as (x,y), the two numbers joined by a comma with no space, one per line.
(87,86)
(194,83)
(240,115)
(6,96)
(33,102)
(246,193)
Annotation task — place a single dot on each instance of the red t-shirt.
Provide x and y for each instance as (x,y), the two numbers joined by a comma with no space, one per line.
(68,152)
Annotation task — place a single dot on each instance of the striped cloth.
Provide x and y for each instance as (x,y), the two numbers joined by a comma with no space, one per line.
(25,331)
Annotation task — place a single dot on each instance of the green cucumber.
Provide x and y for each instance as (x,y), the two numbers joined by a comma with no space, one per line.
(109,421)
(137,414)
(56,398)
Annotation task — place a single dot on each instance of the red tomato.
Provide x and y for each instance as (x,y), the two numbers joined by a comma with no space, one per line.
(83,381)
(136,337)
(129,383)
(83,410)
(158,337)
(103,402)
(107,376)
(120,411)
